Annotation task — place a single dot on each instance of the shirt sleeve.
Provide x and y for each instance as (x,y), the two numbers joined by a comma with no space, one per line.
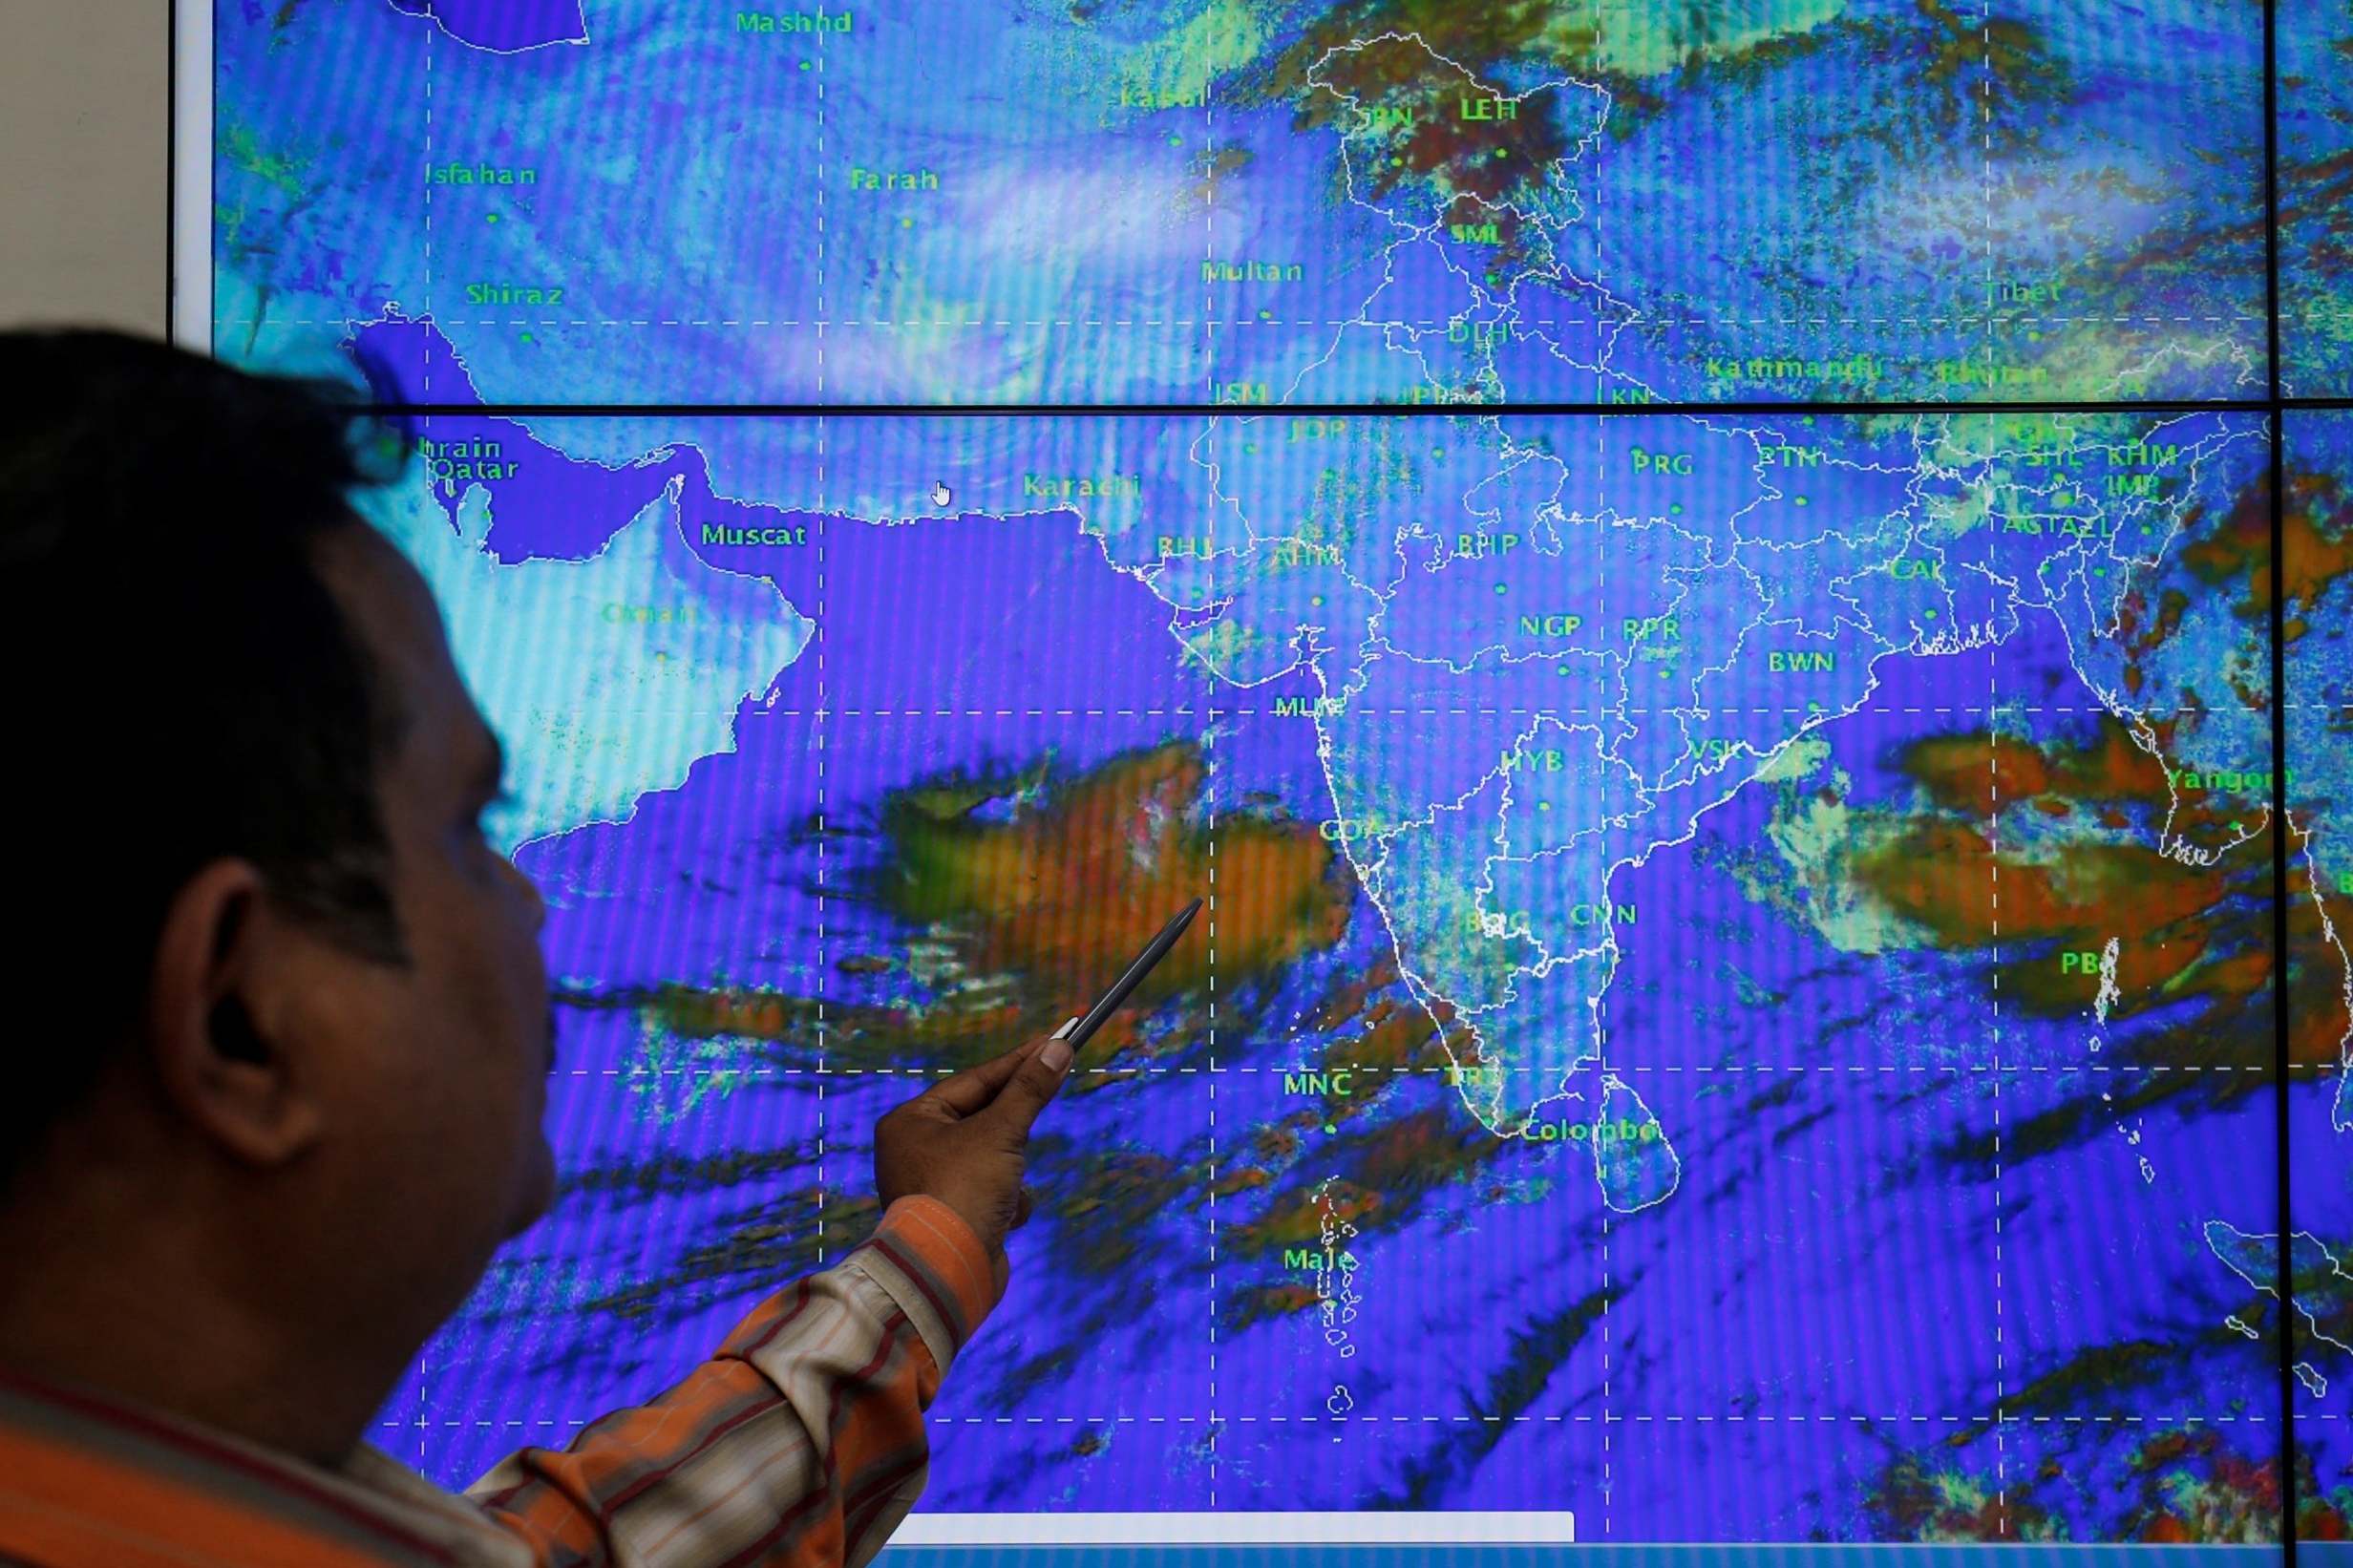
(800,1442)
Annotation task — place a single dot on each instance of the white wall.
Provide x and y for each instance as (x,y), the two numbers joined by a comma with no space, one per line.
(84,148)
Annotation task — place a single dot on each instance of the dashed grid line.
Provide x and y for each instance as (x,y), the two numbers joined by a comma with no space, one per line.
(1209,321)
(760,1074)
(821,322)
(1210,798)
(1601,578)
(1210,776)
(1993,780)
(1467,1418)
(1992,863)
(1628,1418)
(1985,137)
(982,410)
(427,103)
(1601,811)
(1632,1418)
(2283,1280)
(1561,710)
(1998,319)
(1504,1069)
(816,637)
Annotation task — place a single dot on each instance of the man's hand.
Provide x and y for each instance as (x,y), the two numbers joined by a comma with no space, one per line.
(962,1140)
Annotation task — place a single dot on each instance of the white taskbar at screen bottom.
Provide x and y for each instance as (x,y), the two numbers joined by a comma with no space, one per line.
(1488,1528)
(1477,1539)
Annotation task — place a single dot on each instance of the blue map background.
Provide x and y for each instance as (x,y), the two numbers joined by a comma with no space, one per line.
(1737,999)
(1911,199)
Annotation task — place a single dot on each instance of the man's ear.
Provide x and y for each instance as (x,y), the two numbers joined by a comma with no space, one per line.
(213,1036)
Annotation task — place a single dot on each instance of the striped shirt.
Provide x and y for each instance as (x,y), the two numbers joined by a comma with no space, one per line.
(800,1442)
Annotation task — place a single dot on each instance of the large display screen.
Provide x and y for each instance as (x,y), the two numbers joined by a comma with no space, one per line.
(1723,599)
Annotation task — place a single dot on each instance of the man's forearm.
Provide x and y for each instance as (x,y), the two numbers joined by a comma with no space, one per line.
(801,1441)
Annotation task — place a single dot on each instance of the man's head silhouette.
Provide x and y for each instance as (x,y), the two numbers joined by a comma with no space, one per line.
(284,1029)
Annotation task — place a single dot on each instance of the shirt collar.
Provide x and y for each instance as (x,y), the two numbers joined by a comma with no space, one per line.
(371,1498)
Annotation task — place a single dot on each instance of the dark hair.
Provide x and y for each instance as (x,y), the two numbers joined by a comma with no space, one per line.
(186,686)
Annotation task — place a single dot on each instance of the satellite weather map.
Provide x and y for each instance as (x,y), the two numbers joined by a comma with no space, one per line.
(1754,985)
